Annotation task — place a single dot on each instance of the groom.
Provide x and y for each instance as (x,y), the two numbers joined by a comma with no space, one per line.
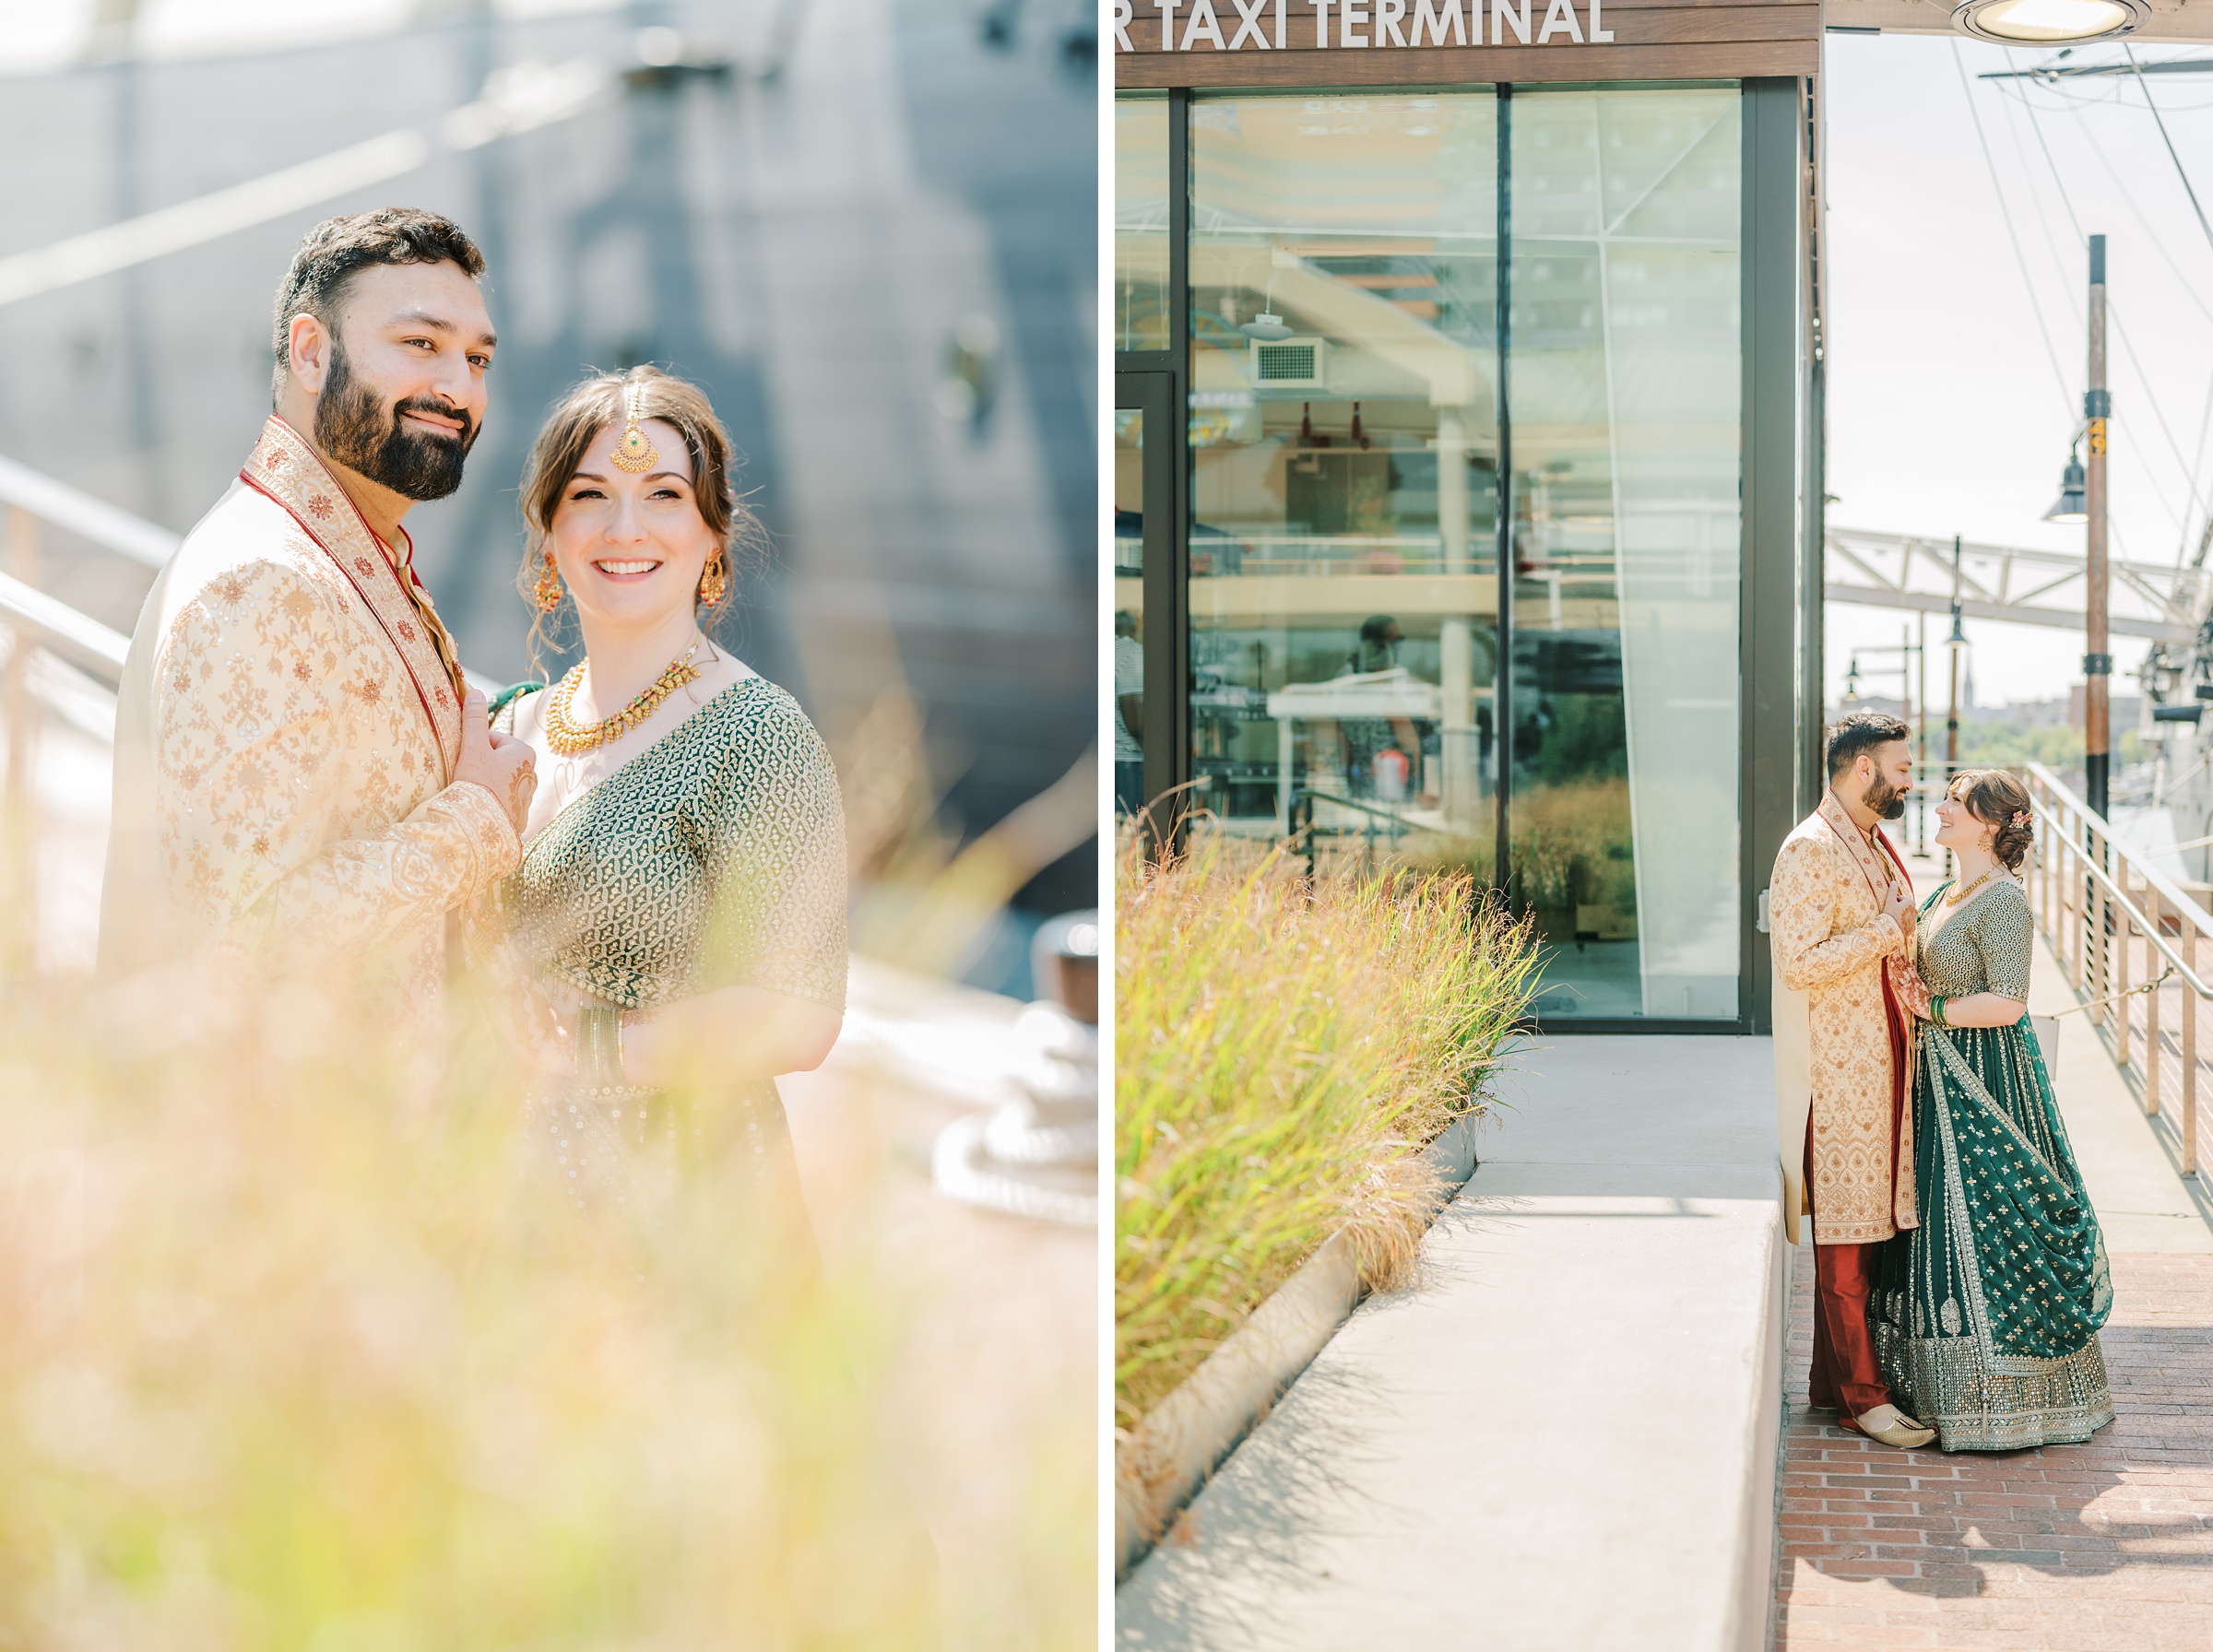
(301,771)
(1839,907)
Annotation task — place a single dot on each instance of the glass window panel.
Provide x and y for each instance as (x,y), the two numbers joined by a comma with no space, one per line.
(1343,586)
(1140,223)
(1625,394)
(1129,687)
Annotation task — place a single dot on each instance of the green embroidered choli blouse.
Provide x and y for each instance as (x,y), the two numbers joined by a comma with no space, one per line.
(1984,945)
(716,857)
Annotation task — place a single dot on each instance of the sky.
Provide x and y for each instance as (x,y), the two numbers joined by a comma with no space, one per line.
(1948,414)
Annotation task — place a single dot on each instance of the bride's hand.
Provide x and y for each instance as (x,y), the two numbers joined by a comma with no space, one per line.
(1911,991)
(545,1029)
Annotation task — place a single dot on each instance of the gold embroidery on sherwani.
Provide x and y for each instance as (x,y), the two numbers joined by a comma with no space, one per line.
(285,467)
(1831,940)
(280,789)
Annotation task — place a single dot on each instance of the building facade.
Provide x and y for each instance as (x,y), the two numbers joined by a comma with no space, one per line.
(1467,456)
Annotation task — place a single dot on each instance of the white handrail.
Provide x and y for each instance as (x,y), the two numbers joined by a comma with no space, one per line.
(2096,897)
(62,627)
(80,513)
(2179,902)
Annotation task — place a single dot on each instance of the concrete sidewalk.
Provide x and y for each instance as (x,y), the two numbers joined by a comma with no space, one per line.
(1565,1435)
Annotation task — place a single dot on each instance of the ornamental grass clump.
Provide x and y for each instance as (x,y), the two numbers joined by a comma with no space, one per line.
(292,1355)
(1282,1056)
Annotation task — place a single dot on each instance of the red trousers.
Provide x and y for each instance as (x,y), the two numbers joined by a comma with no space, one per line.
(1845,1376)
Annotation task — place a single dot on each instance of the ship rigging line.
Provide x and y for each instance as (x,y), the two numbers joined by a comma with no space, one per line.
(2012,236)
(2159,244)
(2161,123)
(2151,400)
(2191,470)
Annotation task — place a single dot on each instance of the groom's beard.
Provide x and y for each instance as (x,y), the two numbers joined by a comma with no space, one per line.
(364,433)
(1885,801)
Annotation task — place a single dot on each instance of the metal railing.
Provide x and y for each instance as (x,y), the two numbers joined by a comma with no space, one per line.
(41,630)
(2128,936)
(47,622)
(1304,830)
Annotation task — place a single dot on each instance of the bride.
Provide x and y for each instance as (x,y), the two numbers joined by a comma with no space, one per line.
(1985,1317)
(679,909)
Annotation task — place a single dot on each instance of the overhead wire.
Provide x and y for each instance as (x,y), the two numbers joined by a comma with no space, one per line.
(2044,219)
(2121,188)
(2159,245)
(2116,90)
(2020,261)
(2161,122)
(2012,236)
(2191,471)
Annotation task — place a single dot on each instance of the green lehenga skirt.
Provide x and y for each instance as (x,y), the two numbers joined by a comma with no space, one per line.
(1985,1317)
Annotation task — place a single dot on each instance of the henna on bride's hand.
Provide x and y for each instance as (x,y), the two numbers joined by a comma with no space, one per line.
(520,784)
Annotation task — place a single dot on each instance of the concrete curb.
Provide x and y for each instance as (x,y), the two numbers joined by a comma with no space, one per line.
(1161,1464)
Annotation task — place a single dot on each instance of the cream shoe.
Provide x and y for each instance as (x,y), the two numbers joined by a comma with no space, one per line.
(1893,1427)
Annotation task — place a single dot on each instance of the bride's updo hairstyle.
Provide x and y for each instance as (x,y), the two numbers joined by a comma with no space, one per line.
(1998,800)
(566,438)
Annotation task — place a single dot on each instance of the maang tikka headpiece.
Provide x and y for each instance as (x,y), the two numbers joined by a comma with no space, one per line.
(633,453)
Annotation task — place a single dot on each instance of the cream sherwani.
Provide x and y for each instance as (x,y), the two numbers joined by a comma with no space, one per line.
(1831,943)
(285,738)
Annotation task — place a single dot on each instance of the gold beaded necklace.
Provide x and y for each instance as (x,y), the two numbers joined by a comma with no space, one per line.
(1954,897)
(572,739)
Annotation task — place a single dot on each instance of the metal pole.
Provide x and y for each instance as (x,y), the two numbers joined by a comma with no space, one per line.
(1502,629)
(1456,632)
(1905,693)
(2190,1011)
(2154,1055)
(1951,717)
(2097,663)
(1920,654)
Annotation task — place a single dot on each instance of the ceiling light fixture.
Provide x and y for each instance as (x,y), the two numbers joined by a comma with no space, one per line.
(2040,22)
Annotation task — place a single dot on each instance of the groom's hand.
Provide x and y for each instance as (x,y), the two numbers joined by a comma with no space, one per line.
(502,764)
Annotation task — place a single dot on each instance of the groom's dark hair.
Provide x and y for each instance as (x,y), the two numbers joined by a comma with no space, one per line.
(339,248)
(1862,731)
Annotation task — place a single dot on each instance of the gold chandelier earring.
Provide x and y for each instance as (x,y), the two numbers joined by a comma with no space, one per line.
(715,579)
(548,589)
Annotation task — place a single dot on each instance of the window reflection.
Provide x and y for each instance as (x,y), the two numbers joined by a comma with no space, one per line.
(1344,592)
(1140,223)
(1625,407)
(1126,716)
(1345,499)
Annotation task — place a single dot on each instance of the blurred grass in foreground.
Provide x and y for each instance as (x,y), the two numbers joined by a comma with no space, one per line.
(293,1357)
(1281,1056)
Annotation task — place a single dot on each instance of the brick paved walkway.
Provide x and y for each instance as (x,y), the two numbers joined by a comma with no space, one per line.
(2070,1548)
